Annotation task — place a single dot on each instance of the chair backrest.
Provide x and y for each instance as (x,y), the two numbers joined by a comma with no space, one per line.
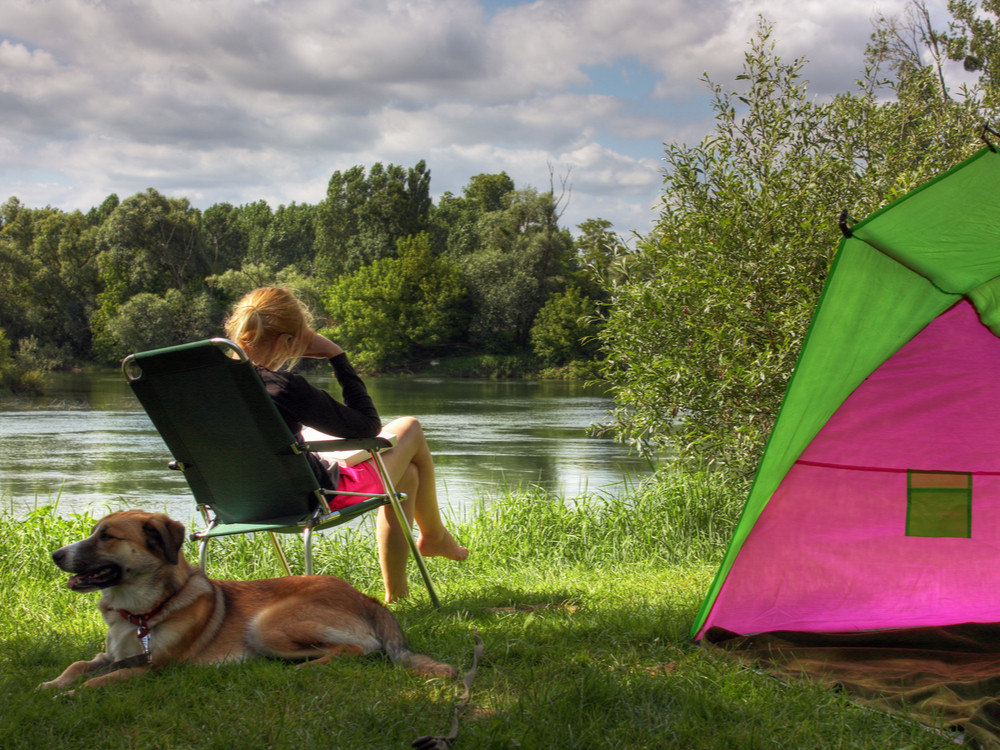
(218,421)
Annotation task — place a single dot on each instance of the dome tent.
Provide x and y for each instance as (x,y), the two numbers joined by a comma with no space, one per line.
(867,556)
(877,501)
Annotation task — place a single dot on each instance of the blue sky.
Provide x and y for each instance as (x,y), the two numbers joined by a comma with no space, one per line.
(242,100)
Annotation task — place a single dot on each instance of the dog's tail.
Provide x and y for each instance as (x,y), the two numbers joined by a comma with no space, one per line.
(394,643)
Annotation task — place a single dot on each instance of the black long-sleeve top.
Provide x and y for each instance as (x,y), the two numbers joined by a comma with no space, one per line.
(300,403)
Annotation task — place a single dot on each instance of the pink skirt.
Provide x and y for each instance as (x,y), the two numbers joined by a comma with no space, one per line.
(360,478)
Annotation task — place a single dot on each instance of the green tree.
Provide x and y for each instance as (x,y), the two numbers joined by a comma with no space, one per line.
(291,237)
(154,243)
(565,329)
(337,223)
(145,321)
(48,279)
(97,216)
(21,371)
(524,258)
(149,244)
(255,220)
(64,285)
(707,314)
(395,309)
(364,216)
(6,361)
(149,321)
(504,299)
(456,219)
(489,192)
(225,236)
(596,248)
(16,238)
(228,287)
(975,41)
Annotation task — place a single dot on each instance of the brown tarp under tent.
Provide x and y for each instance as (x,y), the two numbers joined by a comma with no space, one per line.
(867,555)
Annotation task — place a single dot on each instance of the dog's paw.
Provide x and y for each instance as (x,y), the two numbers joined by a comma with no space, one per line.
(55,685)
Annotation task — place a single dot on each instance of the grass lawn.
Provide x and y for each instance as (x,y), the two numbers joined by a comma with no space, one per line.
(584,608)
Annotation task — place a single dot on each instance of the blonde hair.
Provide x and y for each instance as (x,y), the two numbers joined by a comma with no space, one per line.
(272,326)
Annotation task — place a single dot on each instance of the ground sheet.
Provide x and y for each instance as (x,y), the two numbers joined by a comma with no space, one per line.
(944,677)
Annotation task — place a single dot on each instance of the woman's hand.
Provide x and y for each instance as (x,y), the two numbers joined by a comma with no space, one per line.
(320,347)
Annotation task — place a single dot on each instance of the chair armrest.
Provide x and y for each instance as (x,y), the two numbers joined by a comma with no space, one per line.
(346,444)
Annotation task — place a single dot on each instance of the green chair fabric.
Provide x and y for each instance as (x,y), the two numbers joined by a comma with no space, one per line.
(247,471)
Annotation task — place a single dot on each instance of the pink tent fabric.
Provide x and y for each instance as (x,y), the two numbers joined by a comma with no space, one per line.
(830,550)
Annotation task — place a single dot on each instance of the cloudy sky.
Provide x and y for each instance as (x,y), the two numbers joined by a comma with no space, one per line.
(242,100)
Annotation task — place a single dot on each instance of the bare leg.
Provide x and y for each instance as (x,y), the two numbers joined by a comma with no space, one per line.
(411,468)
(393,549)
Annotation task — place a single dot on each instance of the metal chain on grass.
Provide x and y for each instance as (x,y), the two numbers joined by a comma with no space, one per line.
(438,742)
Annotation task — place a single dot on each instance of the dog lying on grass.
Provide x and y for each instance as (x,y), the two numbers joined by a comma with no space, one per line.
(160,609)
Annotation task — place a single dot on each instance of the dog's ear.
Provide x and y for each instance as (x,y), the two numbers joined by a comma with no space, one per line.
(164,535)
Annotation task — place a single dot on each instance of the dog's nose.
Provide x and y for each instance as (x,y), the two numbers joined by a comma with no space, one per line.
(58,555)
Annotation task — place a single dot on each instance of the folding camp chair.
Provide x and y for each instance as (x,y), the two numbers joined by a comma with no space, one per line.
(247,472)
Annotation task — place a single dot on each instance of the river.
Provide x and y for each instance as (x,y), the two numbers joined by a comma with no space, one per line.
(88,447)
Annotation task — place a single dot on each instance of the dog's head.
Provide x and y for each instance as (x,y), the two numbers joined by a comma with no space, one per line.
(121,546)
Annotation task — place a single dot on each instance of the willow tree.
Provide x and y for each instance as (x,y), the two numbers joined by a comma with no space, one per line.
(708,313)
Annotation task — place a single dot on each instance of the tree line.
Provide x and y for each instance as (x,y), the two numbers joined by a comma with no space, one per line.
(696,327)
(399,278)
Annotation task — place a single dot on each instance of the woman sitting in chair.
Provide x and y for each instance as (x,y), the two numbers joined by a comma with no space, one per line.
(274,328)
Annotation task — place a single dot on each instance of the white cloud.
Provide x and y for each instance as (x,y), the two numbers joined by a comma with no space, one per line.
(230,101)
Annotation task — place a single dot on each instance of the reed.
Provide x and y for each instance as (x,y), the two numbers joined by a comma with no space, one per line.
(583,605)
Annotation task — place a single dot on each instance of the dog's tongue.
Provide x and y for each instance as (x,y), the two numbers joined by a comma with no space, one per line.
(91,580)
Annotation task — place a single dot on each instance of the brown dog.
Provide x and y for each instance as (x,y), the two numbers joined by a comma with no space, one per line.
(160,610)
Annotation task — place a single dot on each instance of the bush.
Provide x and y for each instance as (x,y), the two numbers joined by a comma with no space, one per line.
(564,329)
(19,373)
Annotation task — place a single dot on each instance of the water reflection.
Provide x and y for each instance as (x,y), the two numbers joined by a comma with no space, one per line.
(95,449)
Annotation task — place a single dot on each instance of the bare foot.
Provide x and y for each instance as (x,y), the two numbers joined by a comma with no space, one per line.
(396,595)
(445,546)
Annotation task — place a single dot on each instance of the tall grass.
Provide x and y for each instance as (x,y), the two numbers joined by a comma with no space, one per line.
(683,517)
(583,605)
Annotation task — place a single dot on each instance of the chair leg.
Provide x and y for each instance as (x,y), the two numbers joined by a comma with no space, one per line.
(203,542)
(404,524)
(307,538)
(280,553)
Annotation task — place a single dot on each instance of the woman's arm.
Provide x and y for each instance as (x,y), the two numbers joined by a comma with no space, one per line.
(320,347)
(357,416)
(301,403)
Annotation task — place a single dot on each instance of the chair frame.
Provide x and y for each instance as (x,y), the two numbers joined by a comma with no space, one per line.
(322,516)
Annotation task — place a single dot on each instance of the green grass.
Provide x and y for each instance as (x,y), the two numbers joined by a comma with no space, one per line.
(584,607)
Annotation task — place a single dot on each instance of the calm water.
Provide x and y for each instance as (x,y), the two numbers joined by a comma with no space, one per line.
(97,450)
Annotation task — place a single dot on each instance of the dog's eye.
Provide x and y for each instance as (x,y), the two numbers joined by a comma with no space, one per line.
(104,535)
